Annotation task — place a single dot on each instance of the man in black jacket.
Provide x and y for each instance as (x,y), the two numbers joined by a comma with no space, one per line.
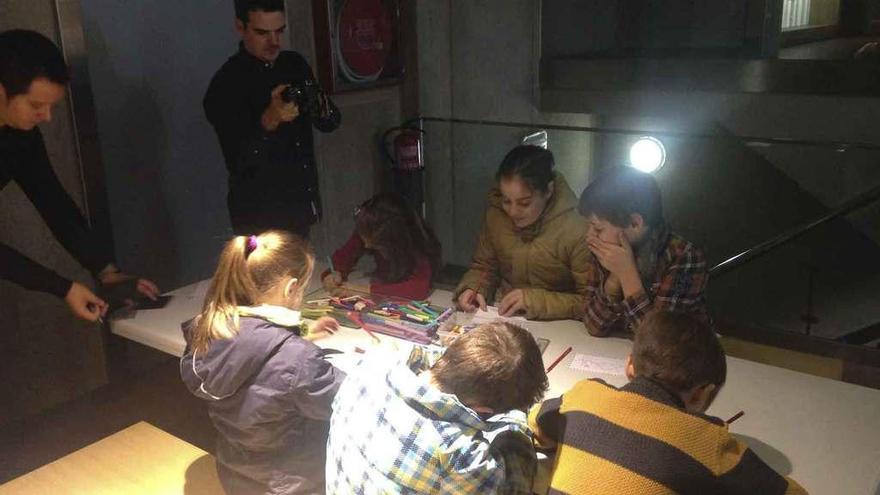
(266,140)
(33,76)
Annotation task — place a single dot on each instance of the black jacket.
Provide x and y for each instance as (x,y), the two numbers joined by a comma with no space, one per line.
(273,180)
(23,159)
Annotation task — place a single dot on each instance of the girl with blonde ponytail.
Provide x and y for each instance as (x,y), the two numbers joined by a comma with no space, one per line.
(249,356)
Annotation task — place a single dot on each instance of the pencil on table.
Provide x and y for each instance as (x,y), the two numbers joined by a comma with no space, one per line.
(560,358)
(736,417)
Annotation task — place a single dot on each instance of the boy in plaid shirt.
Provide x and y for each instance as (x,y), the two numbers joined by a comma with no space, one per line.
(638,265)
(454,427)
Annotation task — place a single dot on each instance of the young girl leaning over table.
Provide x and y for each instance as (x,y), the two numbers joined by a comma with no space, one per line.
(406,251)
(249,356)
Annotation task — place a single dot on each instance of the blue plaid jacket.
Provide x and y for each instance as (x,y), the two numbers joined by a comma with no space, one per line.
(393,432)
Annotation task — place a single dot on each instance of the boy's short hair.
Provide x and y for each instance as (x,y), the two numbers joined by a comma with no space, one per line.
(26,56)
(496,365)
(619,192)
(679,350)
(243,8)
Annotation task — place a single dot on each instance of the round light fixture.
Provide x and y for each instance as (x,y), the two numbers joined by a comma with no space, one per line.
(647,154)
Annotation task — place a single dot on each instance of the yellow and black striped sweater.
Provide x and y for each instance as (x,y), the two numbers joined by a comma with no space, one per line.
(640,440)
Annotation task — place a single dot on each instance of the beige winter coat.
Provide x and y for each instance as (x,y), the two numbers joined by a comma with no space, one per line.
(547,260)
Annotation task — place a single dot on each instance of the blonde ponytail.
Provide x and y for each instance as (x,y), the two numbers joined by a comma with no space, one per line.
(248,269)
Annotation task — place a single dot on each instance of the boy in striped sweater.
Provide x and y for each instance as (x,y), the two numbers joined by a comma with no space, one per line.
(652,436)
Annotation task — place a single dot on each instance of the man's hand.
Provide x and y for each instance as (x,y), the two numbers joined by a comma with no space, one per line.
(278,110)
(145,287)
(470,301)
(512,303)
(84,303)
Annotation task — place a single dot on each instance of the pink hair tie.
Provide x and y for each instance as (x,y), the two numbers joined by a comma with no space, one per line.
(252,245)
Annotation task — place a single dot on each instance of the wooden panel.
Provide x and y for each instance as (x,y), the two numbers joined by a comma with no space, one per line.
(140,459)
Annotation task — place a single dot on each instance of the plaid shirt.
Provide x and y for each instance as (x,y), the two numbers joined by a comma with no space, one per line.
(393,432)
(678,284)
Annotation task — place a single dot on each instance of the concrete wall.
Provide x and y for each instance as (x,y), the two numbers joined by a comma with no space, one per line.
(46,355)
(350,166)
(166,177)
(479,60)
(166,182)
(581,27)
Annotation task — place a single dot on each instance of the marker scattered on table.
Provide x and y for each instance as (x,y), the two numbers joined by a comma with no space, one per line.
(736,417)
(371,334)
(560,358)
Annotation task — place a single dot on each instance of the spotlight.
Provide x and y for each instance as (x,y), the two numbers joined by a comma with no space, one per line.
(647,154)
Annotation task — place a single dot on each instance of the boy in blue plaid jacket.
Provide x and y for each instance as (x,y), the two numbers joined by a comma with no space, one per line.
(454,427)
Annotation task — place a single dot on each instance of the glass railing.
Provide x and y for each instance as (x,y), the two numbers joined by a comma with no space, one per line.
(724,194)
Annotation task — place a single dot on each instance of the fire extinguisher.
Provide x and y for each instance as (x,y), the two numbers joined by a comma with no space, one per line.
(407,161)
(407,153)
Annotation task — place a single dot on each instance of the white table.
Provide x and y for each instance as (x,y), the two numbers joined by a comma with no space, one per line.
(824,433)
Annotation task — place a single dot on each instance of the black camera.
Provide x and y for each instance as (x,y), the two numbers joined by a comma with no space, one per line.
(306,96)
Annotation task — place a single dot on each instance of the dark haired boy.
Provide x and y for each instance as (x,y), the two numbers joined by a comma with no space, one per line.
(651,435)
(456,427)
(638,265)
(267,142)
(33,79)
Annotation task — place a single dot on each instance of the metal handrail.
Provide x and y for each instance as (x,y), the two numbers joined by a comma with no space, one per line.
(820,143)
(765,247)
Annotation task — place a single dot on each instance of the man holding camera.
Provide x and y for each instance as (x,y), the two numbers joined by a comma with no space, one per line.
(262,103)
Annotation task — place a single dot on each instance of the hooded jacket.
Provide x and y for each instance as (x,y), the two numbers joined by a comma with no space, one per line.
(548,260)
(269,393)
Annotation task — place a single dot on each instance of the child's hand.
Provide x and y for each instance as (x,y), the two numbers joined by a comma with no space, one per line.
(616,258)
(470,301)
(332,282)
(323,327)
(612,286)
(512,303)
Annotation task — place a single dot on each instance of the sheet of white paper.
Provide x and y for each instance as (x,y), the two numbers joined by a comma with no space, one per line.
(491,314)
(598,364)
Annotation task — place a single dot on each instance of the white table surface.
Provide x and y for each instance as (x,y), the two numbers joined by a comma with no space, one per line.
(823,433)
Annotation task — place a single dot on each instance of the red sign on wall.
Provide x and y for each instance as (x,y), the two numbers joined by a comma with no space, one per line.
(359,46)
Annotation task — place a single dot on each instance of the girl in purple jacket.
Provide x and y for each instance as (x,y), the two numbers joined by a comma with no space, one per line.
(267,386)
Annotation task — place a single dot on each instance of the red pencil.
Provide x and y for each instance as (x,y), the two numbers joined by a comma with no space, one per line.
(357,317)
(560,358)
(736,417)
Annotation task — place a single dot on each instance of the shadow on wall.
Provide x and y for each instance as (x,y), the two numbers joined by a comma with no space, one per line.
(134,144)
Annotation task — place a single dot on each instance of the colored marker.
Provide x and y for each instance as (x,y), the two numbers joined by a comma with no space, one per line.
(426,309)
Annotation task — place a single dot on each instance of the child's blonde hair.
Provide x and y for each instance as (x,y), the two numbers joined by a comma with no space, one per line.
(250,267)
